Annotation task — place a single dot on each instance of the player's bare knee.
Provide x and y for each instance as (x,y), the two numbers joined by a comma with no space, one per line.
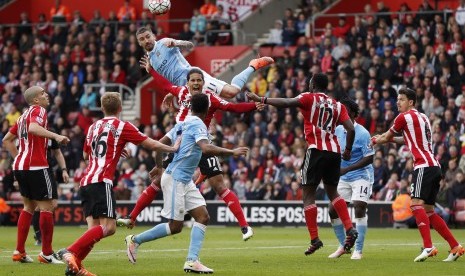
(176,227)
(203,219)
(217,183)
(109,229)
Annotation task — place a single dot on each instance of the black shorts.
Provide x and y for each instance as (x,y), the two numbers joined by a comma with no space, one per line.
(37,184)
(98,200)
(321,165)
(425,184)
(210,166)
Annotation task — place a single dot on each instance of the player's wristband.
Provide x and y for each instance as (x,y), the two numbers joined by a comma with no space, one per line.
(348,149)
(373,140)
(264,101)
(64,169)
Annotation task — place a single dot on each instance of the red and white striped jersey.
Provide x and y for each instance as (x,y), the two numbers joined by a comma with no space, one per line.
(215,103)
(104,143)
(163,86)
(32,149)
(416,130)
(321,116)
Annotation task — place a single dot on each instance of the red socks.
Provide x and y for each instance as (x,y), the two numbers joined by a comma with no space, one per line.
(423,224)
(24,223)
(46,228)
(83,254)
(310,213)
(441,227)
(234,205)
(340,206)
(144,200)
(86,241)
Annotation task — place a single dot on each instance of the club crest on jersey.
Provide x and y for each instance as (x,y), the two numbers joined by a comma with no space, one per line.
(186,104)
(157,53)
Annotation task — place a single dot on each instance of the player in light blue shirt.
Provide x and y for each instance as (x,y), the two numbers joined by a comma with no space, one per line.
(166,58)
(356,182)
(180,195)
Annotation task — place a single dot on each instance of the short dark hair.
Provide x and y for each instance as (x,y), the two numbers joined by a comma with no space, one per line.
(320,81)
(199,103)
(409,93)
(143,30)
(195,70)
(351,105)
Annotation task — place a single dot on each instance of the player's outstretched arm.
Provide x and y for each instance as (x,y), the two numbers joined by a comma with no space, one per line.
(183,44)
(278,102)
(210,149)
(38,130)
(151,144)
(365,161)
(384,138)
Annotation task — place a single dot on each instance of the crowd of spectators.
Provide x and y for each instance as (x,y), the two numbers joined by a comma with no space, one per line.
(367,61)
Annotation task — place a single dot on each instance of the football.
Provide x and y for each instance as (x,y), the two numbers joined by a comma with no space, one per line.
(159,6)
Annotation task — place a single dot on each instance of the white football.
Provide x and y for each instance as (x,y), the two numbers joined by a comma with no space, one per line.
(159,6)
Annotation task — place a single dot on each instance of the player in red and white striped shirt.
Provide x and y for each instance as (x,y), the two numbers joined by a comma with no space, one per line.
(36,183)
(416,131)
(104,145)
(323,158)
(209,165)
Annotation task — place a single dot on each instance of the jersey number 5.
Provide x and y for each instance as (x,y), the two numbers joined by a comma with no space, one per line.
(99,145)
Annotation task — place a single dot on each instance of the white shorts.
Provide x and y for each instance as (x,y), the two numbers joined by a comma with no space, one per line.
(359,190)
(179,198)
(212,84)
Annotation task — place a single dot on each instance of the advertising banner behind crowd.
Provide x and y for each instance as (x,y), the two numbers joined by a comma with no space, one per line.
(238,9)
(258,213)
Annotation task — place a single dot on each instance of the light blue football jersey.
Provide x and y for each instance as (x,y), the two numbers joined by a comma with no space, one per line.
(187,158)
(361,148)
(170,63)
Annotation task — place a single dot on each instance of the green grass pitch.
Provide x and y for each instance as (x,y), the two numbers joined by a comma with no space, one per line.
(272,251)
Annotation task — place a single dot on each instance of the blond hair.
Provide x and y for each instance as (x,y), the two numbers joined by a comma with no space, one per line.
(111,103)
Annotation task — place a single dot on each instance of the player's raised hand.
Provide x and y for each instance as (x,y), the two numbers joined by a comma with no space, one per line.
(177,144)
(125,153)
(145,63)
(260,106)
(254,97)
(240,151)
(346,155)
(65,176)
(62,140)
(168,101)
